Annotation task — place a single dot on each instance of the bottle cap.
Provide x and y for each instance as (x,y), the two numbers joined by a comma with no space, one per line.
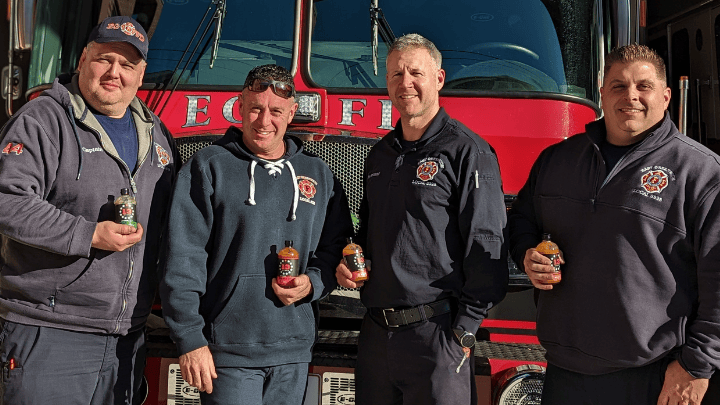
(349,240)
(546,236)
(288,243)
(124,191)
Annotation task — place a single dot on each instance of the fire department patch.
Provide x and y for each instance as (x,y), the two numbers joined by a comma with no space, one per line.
(16,148)
(654,181)
(163,156)
(308,188)
(427,170)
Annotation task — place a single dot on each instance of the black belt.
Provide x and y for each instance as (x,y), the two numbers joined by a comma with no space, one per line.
(401,317)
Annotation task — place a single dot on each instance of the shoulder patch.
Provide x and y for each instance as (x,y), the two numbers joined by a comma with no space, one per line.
(16,148)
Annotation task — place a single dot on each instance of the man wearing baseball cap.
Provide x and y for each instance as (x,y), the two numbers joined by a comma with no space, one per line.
(75,286)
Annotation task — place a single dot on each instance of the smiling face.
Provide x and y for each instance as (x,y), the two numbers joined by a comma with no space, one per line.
(413,82)
(634,99)
(109,76)
(265,118)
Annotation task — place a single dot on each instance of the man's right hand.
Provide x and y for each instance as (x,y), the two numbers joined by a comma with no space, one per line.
(198,369)
(344,276)
(115,237)
(539,269)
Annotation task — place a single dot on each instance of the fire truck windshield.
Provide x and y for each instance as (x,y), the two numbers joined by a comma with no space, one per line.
(493,45)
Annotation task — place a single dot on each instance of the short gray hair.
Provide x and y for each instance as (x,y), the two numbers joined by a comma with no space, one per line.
(412,41)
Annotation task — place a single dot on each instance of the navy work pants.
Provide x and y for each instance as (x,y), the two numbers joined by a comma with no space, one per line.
(412,365)
(55,366)
(277,385)
(633,386)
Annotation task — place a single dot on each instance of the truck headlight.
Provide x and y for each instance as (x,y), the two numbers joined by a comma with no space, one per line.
(521,385)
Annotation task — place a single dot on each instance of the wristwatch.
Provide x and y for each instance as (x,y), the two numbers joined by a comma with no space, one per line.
(465,338)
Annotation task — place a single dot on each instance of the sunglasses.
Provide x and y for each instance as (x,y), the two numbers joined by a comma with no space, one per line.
(282,89)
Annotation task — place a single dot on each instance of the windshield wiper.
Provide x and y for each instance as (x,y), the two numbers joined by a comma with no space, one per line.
(379,23)
(219,18)
(215,3)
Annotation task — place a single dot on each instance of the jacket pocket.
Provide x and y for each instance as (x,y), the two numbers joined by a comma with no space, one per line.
(97,292)
(254,315)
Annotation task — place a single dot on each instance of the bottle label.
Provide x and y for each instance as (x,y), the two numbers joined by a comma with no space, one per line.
(555,259)
(288,268)
(355,262)
(125,214)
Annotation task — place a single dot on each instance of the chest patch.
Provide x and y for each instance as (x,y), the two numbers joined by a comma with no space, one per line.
(428,168)
(654,181)
(163,156)
(307,188)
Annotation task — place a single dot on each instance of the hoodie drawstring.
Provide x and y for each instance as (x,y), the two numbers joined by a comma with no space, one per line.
(71,116)
(274,168)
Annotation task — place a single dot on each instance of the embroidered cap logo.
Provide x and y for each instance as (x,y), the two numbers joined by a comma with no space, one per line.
(654,181)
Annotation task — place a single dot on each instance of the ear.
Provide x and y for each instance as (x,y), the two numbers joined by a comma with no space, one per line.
(440,79)
(667,94)
(293,109)
(82,59)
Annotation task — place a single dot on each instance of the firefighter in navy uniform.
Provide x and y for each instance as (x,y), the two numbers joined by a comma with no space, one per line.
(432,221)
(633,205)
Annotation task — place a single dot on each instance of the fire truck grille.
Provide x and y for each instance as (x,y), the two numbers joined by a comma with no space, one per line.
(345,155)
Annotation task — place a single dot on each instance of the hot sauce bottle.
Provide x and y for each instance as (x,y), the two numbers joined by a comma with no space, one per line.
(125,209)
(288,267)
(550,250)
(355,260)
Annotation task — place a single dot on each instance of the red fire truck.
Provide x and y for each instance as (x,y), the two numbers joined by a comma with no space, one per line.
(523,74)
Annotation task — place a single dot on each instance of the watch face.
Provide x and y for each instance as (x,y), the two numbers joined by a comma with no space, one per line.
(467,340)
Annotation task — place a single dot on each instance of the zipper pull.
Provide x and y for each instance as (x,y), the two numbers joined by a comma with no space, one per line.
(133,186)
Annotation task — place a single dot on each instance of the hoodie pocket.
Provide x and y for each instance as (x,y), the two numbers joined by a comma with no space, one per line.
(254,315)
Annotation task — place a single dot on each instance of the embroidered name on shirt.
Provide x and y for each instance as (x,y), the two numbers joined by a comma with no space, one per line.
(371,175)
(88,150)
(308,189)
(653,180)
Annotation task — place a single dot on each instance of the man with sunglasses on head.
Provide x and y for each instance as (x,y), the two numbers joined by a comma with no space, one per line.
(242,337)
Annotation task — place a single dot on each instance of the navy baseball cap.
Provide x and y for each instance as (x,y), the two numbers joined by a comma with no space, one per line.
(121,29)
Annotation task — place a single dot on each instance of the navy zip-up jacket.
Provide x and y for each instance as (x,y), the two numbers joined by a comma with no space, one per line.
(60,175)
(432,219)
(642,251)
(229,218)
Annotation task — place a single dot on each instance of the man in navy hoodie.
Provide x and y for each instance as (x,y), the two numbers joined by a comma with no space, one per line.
(235,204)
(633,205)
(75,287)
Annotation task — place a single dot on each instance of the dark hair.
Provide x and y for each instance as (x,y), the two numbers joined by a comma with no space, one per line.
(636,53)
(269,72)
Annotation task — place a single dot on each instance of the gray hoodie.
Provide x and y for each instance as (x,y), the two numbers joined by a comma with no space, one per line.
(60,176)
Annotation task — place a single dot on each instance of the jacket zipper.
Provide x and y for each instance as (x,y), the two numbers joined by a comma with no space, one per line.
(133,185)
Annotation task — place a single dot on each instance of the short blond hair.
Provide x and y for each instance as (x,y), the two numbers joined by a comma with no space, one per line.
(636,53)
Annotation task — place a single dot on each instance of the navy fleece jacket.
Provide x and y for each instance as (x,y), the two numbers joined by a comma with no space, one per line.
(642,252)
(222,252)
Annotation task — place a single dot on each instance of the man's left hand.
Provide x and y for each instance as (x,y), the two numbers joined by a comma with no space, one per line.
(299,288)
(681,388)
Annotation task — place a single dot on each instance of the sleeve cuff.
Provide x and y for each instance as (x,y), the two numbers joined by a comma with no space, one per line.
(190,342)
(467,324)
(314,274)
(694,367)
(81,242)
